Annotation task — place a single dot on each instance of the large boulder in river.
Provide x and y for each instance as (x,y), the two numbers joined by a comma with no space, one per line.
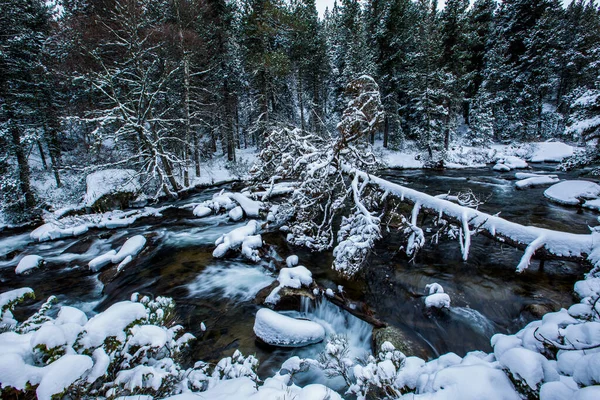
(401,341)
(111,188)
(276,329)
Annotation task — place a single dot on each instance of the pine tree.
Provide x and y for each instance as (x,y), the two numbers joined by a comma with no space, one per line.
(26,27)
(428,113)
(390,24)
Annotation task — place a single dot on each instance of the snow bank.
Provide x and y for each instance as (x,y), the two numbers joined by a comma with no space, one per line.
(550,152)
(28,263)
(279,330)
(110,181)
(572,192)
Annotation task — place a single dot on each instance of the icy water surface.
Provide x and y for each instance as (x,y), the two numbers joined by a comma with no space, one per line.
(487,295)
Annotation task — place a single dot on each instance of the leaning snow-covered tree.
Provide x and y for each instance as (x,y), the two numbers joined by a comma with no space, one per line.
(317,163)
(131,79)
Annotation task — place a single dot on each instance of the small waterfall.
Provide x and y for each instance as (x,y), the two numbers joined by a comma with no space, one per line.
(476,320)
(337,321)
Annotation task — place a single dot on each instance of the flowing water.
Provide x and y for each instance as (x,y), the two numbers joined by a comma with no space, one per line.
(487,295)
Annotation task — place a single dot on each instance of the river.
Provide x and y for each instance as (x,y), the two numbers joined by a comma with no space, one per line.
(487,295)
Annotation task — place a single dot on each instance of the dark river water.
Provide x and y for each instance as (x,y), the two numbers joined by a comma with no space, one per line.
(487,295)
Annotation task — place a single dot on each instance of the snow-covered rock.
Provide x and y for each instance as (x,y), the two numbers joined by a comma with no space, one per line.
(291,261)
(51,231)
(530,366)
(249,246)
(131,247)
(501,167)
(294,277)
(550,152)
(101,261)
(251,207)
(280,330)
(236,213)
(28,263)
(235,238)
(572,192)
(108,182)
(592,204)
(202,211)
(536,181)
(437,300)
(514,162)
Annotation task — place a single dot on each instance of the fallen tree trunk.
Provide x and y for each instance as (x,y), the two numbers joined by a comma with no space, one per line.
(545,243)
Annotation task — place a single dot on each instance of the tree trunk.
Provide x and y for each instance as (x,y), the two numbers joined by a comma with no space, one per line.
(23,165)
(42,155)
(386,130)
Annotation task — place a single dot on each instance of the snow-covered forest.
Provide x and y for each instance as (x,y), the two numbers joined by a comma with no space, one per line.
(246,199)
(163,87)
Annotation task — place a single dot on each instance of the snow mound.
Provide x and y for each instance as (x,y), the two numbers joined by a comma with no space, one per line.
(570,192)
(529,366)
(550,152)
(279,330)
(110,181)
(28,263)
(131,247)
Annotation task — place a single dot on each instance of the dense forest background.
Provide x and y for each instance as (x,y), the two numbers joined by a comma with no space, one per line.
(159,86)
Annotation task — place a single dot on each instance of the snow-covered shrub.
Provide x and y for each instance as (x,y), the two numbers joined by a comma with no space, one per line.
(133,347)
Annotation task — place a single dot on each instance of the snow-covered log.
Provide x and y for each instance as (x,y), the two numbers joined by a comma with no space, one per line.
(545,242)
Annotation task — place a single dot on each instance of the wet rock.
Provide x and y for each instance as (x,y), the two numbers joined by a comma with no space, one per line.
(290,298)
(410,346)
(536,311)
